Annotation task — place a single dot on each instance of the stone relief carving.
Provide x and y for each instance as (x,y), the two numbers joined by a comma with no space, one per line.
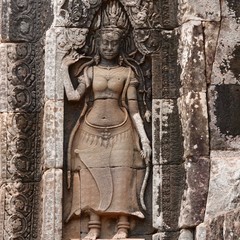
(108,148)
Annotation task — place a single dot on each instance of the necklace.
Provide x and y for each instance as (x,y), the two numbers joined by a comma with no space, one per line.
(109,74)
(107,67)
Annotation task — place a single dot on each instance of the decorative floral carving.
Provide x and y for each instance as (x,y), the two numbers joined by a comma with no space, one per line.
(71,38)
(20,203)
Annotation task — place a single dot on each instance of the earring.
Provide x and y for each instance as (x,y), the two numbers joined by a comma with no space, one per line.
(97,59)
(120,60)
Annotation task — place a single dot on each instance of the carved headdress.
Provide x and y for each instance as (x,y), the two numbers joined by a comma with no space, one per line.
(112,18)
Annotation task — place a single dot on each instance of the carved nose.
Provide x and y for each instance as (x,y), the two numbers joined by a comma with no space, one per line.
(109,47)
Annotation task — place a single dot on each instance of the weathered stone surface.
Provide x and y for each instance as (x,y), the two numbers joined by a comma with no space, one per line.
(196,189)
(142,15)
(201,232)
(185,234)
(194,117)
(168,186)
(223,226)
(24,20)
(167,132)
(20,151)
(53,134)
(225,67)
(211,33)
(3,147)
(3,78)
(166,236)
(21,77)
(224,185)
(165,70)
(230,8)
(204,10)
(231,226)
(192,57)
(19,203)
(52,205)
(53,82)
(224,103)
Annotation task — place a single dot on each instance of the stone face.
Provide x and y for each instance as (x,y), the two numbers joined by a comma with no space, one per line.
(168,184)
(194,118)
(196,189)
(224,183)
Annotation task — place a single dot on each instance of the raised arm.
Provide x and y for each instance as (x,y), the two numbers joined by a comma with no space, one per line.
(72,94)
(138,122)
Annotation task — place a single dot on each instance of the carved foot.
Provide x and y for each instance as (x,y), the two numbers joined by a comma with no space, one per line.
(121,234)
(93,234)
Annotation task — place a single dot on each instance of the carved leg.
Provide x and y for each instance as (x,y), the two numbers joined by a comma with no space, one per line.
(94,226)
(123,228)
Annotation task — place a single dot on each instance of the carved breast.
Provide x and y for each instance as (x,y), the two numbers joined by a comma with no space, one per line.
(109,80)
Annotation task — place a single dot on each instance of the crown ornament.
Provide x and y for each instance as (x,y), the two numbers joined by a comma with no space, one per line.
(112,18)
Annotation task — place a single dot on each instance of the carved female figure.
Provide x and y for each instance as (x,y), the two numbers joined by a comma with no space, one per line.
(105,152)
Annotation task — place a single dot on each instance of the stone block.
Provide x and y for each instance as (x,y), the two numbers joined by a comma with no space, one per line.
(52,205)
(53,82)
(196,190)
(21,77)
(19,209)
(165,70)
(192,57)
(3,78)
(231,225)
(167,133)
(230,9)
(201,232)
(3,147)
(168,186)
(215,228)
(194,117)
(24,21)
(224,226)
(224,103)
(226,64)
(211,33)
(185,234)
(141,15)
(53,134)
(166,236)
(205,10)
(20,151)
(60,42)
(224,186)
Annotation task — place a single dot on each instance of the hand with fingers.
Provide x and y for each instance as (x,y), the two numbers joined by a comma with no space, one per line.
(146,151)
(71,58)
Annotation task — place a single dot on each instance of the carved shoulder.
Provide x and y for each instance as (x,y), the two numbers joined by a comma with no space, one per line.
(89,72)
